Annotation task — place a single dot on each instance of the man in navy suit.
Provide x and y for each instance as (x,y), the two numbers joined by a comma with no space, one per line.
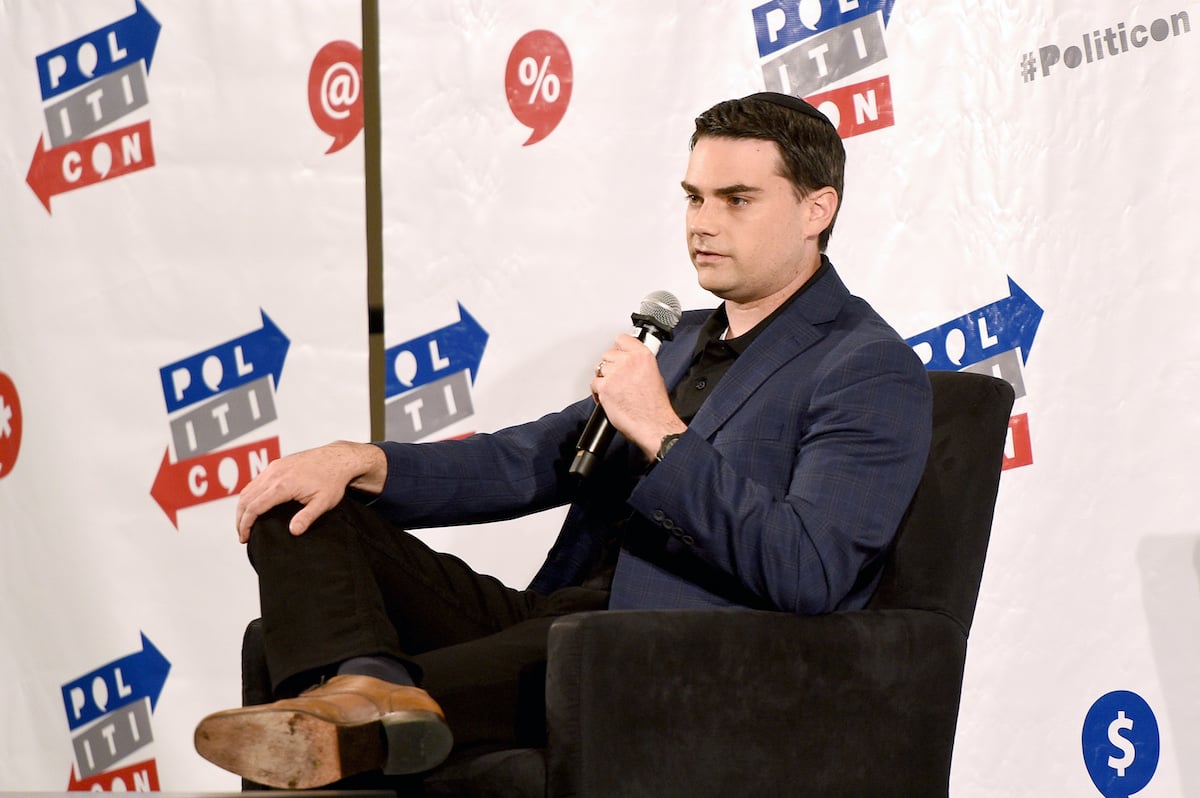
(764,459)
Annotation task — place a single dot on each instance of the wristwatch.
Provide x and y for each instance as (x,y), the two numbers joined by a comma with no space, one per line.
(667,442)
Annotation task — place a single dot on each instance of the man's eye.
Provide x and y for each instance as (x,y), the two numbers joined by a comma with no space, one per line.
(693,199)
(738,201)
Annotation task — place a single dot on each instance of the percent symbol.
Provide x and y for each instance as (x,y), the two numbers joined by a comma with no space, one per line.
(537,79)
(540,79)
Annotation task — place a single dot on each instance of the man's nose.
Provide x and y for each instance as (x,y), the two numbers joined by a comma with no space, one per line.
(701,221)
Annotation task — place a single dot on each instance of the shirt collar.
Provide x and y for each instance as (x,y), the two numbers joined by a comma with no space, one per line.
(717,323)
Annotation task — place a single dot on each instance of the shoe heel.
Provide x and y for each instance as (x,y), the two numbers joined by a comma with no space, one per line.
(417,741)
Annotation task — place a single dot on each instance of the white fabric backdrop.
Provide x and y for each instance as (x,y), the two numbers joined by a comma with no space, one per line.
(242,213)
(997,165)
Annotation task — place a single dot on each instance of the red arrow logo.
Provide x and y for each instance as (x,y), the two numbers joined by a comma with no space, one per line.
(89,161)
(209,477)
(138,777)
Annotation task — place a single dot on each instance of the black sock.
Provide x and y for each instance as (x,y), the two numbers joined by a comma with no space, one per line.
(381,667)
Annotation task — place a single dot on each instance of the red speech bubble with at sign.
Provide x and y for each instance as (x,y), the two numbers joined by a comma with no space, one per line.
(335,92)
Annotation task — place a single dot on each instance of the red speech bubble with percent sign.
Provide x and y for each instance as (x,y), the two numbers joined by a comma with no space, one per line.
(10,424)
(335,92)
(538,81)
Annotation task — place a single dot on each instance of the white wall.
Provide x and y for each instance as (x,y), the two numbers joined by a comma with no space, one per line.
(1070,182)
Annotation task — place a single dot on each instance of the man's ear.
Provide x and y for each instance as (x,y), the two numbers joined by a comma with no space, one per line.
(822,207)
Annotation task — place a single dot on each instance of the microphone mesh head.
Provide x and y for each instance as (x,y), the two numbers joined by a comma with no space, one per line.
(663,307)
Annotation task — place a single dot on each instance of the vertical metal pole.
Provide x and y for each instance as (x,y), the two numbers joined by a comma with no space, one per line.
(372,169)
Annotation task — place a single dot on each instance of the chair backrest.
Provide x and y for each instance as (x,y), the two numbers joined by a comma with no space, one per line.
(936,562)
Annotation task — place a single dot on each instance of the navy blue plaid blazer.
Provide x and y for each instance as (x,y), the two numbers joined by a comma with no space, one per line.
(788,485)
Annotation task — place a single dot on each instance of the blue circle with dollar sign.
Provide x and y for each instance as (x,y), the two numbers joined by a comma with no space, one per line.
(1120,743)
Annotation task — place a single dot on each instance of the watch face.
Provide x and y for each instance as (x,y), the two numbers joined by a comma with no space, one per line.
(667,442)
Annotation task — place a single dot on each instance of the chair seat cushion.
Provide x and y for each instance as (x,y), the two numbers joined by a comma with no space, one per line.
(517,773)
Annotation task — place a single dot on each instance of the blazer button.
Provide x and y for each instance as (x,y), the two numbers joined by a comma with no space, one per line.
(659,515)
(688,539)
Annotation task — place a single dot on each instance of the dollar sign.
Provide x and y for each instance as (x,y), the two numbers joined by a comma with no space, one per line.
(1114,736)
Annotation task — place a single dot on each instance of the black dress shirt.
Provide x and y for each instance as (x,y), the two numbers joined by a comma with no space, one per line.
(714,354)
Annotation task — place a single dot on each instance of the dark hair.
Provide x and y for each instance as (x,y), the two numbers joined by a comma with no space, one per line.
(809,146)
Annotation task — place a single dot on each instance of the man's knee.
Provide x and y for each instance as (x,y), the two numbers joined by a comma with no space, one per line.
(271,530)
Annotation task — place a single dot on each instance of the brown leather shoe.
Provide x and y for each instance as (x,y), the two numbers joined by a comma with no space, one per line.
(348,725)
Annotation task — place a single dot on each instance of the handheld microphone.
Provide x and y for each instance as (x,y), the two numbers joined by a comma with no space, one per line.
(653,323)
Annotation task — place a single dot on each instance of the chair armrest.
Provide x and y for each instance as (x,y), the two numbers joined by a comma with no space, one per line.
(256,683)
(742,702)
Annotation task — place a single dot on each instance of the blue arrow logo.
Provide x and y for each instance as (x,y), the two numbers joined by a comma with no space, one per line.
(430,357)
(779,24)
(228,365)
(1002,326)
(119,683)
(101,52)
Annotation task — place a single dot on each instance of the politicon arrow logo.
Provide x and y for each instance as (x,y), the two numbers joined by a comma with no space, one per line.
(101,52)
(89,161)
(138,777)
(229,365)
(779,24)
(1001,326)
(213,476)
(120,683)
(430,357)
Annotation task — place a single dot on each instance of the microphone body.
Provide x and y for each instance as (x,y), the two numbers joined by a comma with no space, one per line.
(654,323)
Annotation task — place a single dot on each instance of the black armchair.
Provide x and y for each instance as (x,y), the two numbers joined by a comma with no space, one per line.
(739,702)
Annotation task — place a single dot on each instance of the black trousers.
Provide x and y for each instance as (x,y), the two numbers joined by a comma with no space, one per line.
(355,585)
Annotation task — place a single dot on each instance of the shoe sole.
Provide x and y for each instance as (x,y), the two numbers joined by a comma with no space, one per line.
(417,741)
(298,751)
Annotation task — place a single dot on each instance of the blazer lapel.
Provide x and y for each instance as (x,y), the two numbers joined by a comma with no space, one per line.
(674,361)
